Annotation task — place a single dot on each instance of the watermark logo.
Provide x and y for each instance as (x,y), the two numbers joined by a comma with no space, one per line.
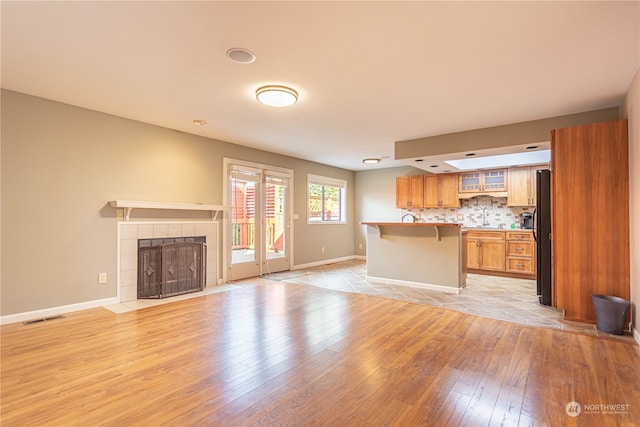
(573,409)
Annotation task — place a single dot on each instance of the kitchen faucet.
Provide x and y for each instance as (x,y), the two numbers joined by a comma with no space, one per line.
(484,216)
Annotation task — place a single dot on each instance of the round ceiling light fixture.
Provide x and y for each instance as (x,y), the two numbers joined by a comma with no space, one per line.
(199,122)
(276,96)
(241,56)
(371,161)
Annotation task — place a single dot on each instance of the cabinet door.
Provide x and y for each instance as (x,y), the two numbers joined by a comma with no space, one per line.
(403,192)
(473,253)
(431,191)
(532,181)
(519,189)
(494,180)
(449,191)
(492,255)
(470,182)
(417,191)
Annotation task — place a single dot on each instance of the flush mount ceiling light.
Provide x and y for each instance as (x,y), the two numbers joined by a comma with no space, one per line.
(276,96)
(371,161)
(199,122)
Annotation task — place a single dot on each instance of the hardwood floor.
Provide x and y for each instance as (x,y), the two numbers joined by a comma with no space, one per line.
(277,353)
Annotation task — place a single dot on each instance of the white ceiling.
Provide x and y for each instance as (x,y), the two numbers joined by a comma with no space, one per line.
(368,73)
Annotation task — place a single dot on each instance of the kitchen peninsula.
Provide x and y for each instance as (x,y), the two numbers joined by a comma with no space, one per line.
(425,255)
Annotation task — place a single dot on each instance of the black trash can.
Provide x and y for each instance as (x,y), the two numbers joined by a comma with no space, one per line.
(610,313)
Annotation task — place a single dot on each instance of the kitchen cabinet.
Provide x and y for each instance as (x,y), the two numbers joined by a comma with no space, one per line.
(441,191)
(521,190)
(485,250)
(520,252)
(487,181)
(409,191)
(590,216)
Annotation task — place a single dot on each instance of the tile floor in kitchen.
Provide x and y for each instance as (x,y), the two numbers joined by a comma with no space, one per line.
(508,299)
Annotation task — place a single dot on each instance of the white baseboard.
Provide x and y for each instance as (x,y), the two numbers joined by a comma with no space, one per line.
(441,288)
(326,261)
(636,335)
(56,311)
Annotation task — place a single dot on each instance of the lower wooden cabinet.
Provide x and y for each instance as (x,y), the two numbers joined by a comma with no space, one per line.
(485,250)
(504,253)
(520,252)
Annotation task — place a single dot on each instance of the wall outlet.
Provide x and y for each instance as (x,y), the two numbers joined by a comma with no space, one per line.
(322,249)
(102,278)
(360,246)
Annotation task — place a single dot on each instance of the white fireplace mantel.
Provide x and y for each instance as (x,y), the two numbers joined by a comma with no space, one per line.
(129,205)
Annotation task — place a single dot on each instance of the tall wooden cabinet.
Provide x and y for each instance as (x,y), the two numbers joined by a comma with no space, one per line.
(590,216)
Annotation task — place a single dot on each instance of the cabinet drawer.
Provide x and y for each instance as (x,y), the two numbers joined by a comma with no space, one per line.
(520,235)
(520,265)
(484,235)
(524,249)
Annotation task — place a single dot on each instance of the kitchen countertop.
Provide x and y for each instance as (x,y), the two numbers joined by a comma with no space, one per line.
(414,224)
(497,229)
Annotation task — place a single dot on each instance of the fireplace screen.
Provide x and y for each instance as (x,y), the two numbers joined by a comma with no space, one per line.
(171,268)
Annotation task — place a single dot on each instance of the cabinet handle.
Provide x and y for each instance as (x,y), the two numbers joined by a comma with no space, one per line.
(519,249)
(519,265)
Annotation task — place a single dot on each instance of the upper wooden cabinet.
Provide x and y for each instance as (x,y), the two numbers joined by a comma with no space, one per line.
(441,191)
(489,181)
(409,191)
(522,185)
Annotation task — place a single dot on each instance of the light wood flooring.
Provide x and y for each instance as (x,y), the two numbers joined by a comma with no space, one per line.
(285,354)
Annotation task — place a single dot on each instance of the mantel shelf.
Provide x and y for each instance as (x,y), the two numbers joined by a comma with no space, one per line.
(130,205)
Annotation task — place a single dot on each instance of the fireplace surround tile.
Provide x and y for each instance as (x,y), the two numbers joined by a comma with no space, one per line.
(130,232)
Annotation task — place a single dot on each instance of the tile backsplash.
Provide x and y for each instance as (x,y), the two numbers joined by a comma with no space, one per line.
(473,212)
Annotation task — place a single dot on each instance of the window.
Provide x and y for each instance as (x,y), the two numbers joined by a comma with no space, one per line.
(326,200)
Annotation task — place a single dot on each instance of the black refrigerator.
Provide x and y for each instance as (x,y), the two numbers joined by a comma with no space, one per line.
(542,234)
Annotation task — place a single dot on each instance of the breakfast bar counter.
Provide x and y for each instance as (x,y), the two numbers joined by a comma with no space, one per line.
(420,254)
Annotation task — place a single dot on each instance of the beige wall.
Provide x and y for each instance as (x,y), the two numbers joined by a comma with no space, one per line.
(631,110)
(498,136)
(62,164)
(376,199)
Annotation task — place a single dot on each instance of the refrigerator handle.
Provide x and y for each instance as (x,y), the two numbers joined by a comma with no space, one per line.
(535,224)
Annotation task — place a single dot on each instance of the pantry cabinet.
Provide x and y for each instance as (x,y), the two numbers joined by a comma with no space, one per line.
(409,191)
(441,191)
(590,216)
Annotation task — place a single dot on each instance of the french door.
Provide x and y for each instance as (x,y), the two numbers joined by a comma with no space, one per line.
(259,235)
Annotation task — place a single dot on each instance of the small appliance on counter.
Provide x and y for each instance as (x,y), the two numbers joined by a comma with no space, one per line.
(526,221)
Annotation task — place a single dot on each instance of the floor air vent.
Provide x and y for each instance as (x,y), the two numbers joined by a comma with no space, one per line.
(44,319)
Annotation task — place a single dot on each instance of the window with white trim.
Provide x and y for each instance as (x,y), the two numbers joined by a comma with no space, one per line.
(326,200)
